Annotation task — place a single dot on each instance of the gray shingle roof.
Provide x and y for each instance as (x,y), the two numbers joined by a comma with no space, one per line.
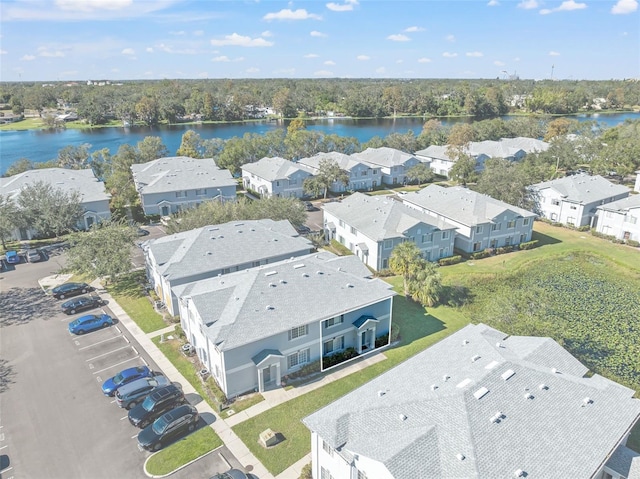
(504,148)
(625,462)
(381,218)
(623,205)
(179,173)
(383,156)
(215,247)
(274,168)
(346,162)
(83,181)
(419,416)
(246,306)
(461,204)
(583,188)
(435,151)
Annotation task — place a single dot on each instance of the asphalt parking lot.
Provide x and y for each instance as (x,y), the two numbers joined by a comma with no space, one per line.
(55,422)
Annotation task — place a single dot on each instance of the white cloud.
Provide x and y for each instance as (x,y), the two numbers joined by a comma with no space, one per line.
(128,51)
(381,70)
(221,58)
(449,55)
(266,34)
(199,33)
(363,57)
(203,75)
(347,6)
(45,52)
(241,41)
(176,51)
(413,29)
(3,52)
(177,33)
(450,38)
(149,50)
(315,33)
(528,4)
(498,63)
(474,54)
(323,73)
(424,60)
(285,71)
(399,61)
(252,70)
(330,63)
(115,70)
(92,5)
(28,58)
(554,54)
(398,38)
(565,6)
(288,14)
(311,55)
(493,3)
(624,7)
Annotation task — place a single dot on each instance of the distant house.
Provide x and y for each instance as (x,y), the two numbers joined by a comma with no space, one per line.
(512,149)
(620,218)
(10,118)
(362,176)
(252,328)
(636,187)
(481,221)
(371,226)
(479,404)
(275,176)
(573,200)
(94,198)
(392,163)
(172,184)
(216,250)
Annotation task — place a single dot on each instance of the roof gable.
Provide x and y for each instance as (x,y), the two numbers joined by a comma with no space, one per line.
(582,188)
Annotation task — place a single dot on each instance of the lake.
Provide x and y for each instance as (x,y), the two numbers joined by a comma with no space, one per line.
(43,145)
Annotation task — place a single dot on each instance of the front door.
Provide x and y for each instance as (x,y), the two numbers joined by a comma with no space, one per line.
(165,211)
(266,375)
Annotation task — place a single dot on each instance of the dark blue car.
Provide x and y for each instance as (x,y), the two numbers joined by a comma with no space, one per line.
(90,322)
(12,257)
(111,385)
(168,427)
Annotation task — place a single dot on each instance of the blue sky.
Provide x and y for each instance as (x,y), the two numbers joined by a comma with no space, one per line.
(50,40)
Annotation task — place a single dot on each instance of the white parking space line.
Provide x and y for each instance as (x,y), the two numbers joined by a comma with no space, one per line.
(145,362)
(114,365)
(124,417)
(6,470)
(106,354)
(1,448)
(118,329)
(134,437)
(113,401)
(99,342)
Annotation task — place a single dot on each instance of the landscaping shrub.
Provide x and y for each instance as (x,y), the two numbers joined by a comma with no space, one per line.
(480,254)
(395,332)
(384,273)
(528,244)
(450,260)
(504,249)
(306,370)
(180,332)
(633,243)
(339,357)
(382,340)
(305,473)
(216,394)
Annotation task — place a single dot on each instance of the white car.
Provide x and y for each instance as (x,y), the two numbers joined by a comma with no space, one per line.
(33,256)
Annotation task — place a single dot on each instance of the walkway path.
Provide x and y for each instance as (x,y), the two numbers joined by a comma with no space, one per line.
(223,426)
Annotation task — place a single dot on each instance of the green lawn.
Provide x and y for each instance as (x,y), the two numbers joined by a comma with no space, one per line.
(130,294)
(418,330)
(182,452)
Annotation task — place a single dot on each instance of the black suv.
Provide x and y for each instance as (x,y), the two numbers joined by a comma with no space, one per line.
(168,427)
(155,405)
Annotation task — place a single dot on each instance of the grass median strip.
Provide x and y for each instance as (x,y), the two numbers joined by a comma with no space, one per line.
(130,294)
(182,452)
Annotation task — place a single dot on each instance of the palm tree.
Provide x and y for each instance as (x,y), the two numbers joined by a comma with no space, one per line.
(426,287)
(406,260)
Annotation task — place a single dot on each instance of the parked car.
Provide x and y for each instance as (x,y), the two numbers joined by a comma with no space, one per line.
(111,385)
(81,303)
(67,290)
(12,257)
(33,256)
(90,322)
(233,474)
(142,232)
(170,426)
(303,229)
(129,395)
(155,405)
(308,206)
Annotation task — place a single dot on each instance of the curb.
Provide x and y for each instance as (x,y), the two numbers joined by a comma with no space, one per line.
(144,467)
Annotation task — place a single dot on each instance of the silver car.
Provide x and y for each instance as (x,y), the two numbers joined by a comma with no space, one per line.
(134,393)
(33,256)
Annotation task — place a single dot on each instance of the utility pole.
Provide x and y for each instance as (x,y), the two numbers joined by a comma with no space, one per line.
(552,67)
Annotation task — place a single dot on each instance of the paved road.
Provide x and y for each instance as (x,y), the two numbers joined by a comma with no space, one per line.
(54,420)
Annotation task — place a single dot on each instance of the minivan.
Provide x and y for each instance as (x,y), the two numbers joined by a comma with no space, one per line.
(155,405)
(133,393)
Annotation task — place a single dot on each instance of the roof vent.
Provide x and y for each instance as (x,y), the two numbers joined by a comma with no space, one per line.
(272,285)
(319,272)
(349,285)
(208,253)
(403,417)
(554,370)
(519,473)
(499,345)
(305,275)
(381,393)
(463,383)
(434,387)
(497,417)
(507,374)
(269,308)
(587,401)
(460,457)
(543,387)
(480,393)
(475,358)
(282,281)
(270,273)
(491,365)
(298,266)
(446,377)
(465,341)
(528,396)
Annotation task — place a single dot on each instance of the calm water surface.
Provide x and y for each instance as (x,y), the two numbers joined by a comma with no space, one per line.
(39,145)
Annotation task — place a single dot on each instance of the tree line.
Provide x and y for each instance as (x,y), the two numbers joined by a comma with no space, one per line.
(170,101)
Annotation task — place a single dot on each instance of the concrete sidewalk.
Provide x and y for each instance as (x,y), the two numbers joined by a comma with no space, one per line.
(221,426)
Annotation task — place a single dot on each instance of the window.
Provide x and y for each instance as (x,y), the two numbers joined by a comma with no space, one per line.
(201,192)
(181,194)
(277,183)
(385,263)
(507,241)
(445,235)
(525,222)
(427,238)
(364,173)
(632,220)
(325,474)
(341,223)
(362,475)
(327,448)
(297,358)
(494,243)
(333,321)
(555,202)
(292,181)
(353,231)
(388,244)
(375,172)
(572,207)
(298,332)
(333,345)
(478,229)
(496,227)
(477,246)
(511,224)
